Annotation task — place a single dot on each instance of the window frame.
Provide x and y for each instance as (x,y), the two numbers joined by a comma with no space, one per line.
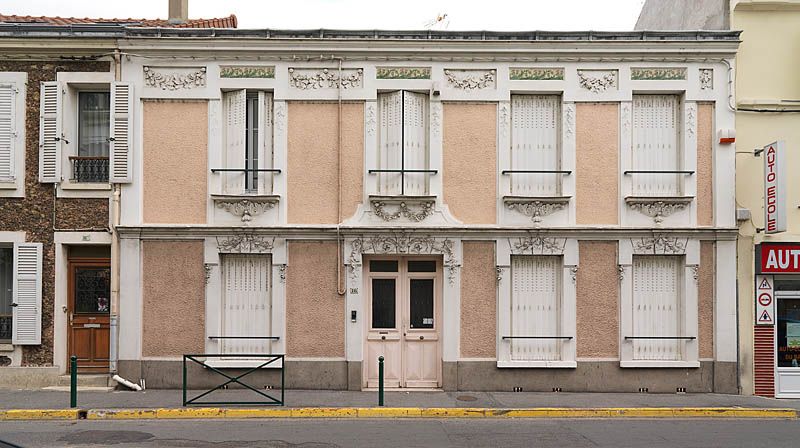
(15,186)
(10,315)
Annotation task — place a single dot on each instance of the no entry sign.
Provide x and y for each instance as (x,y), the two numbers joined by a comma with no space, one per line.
(765,300)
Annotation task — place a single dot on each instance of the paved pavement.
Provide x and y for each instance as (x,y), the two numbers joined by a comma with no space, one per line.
(27,399)
(296,433)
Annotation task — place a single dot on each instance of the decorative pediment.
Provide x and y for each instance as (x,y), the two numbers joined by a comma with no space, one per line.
(659,245)
(537,245)
(403,73)
(536,208)
(658,73)
(597,81)
(245,243)
(536,74)
(658,208)
(471,80)
(403,243)
(244,71)
(245,207)
(175,78)
(325,78)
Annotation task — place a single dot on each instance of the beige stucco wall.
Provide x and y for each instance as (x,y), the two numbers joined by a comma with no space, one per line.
(705,161)
(470,161)
(705,300)
(173,296)
(478,300)
(314,311)
(312,161)
(598,300)
(597,154)
(175,151)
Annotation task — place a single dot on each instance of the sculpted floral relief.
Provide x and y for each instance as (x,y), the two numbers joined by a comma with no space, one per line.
(597,81)
(174,78)
(313,79)
(403,243)
(470,80)
(245,243)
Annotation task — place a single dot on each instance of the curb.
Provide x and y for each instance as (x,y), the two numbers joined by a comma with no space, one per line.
(235,413)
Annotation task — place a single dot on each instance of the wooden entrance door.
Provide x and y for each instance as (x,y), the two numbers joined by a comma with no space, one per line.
(89,308)
(403,322)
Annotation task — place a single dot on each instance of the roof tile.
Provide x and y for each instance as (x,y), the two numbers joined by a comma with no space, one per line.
(222,22)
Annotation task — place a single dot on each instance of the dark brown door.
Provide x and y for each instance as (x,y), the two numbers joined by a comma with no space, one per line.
(89,308)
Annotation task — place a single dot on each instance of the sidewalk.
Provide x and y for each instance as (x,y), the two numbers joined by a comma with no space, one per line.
(167,404)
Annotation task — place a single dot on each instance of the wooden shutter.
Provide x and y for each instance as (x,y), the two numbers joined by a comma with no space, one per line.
(246,303)
(657,307)
(265,155)
(8,103)
(415,141)
(390,106)
(535,307)
(655,144)
(27,297)
(121,132)
(50,132)
(235,103)
(535,144)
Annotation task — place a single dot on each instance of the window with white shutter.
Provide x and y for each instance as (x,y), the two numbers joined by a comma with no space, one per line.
(8,112)
(246,304)
(121,132)
(658,308)
(50,134)
(27,294)
(535,145)
(12,133)
(655,146)
(248,156)
(535,308)
(403,150)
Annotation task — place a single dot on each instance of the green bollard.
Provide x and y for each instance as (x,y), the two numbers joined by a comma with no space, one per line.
(380,380)
(73,381)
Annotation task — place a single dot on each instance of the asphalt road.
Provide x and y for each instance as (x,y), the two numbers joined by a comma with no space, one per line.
(317,433)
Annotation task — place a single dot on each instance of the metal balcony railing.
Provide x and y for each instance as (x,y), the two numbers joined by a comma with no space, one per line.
(5,327)
(89,169)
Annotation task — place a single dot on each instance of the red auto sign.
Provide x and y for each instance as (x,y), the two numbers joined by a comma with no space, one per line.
(779,258)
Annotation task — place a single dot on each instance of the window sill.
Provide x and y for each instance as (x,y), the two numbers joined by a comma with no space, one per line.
(658,207)
(414,208)
(8,184)
(660,364)
(245,206)
(536,207)
(537,364)
(84,186)
(6,347)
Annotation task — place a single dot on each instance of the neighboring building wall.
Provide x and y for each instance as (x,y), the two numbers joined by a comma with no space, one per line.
(597,155)
(478,301)
(470,167)
(684,15)
(34,213)
(313,183)
(175,168)
(173,297)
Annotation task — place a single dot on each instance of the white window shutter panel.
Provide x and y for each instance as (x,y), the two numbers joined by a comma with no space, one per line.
(657,307)
(120,162)
(235,109)
(27,298)
(390,106)
(50,132)
(655,144)
(535,308)
(535,137)
(265,156)
(246,303)
(415,140)
(8,102)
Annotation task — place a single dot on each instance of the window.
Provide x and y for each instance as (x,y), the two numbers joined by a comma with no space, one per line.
(12,134)
(536,169)
(21,293)
(94,126)
(656,165)
(248,167)
(403,150)
(658,309)
(246,304)
(6,292)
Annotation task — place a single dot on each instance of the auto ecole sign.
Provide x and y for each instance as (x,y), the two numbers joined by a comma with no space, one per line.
(774,188)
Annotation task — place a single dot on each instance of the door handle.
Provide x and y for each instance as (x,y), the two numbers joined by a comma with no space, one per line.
(422,338)
(383,338)
(14,305)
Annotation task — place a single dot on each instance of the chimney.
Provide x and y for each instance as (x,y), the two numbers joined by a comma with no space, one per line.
(178,11)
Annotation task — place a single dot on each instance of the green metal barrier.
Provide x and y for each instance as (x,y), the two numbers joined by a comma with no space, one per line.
(269,400)
(380,380)
(73,381)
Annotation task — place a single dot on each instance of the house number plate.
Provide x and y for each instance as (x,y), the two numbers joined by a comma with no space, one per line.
(91,325)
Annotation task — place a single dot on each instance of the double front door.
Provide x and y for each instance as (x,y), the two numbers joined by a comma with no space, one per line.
(89,307)
(404,322)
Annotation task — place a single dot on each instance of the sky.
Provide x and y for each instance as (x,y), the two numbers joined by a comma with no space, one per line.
(500,15)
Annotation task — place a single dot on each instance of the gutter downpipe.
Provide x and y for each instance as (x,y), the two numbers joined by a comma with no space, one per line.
(341,288)
(113,349)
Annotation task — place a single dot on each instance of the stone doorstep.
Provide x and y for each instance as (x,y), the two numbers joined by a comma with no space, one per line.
(49,378)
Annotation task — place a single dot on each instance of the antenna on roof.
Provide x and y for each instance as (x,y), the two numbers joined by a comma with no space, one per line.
(440,21)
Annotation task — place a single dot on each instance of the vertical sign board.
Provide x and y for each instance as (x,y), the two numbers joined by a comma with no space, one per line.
(774,188)
(765,300)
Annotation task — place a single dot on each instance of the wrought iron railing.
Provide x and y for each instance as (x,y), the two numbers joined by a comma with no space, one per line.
(89,169)
(202,360)
(6,326)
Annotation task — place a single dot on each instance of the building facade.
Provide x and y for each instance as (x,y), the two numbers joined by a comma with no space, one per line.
(766,113)
(488,211)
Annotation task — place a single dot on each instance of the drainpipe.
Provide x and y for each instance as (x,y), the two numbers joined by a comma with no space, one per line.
(113,349)
(341,284)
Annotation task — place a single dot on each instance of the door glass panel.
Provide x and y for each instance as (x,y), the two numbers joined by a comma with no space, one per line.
(383,266)
(92,290)
(788,333)
(422,266)
(383,303)
(421,302)
(6,292)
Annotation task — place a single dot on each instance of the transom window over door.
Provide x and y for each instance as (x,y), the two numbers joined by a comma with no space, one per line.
(248,159)
(655,146)
(658,323)
(403,150)
(536,145)
(246,304)
(535,308)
